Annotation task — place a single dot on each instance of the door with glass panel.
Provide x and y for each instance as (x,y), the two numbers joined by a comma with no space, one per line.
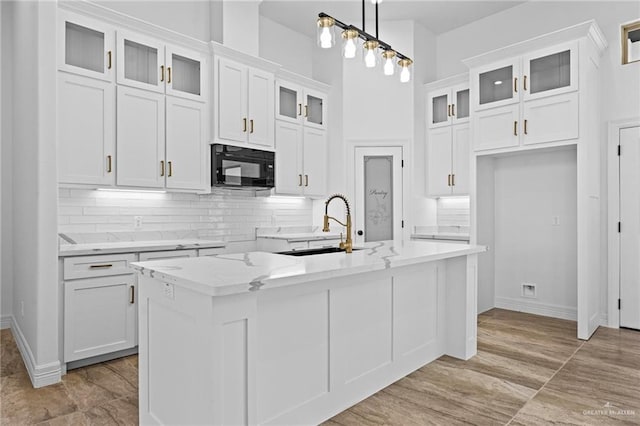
(496,84)
(550,71)
(140,62)
(378,191)
(439,108)
(185,73)
(314,110)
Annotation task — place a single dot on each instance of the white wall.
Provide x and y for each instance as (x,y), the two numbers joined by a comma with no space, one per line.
(34,185)
(221,217)
(531,189)
(241,25)
(191,17)
(284,46)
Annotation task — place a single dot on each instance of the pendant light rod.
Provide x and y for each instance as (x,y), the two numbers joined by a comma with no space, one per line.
(363,21)
(376,19)
(363,35)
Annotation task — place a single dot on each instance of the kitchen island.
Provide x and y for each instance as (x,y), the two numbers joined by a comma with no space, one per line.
(263,338)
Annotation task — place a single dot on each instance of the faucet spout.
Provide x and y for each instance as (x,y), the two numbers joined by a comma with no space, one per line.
(346,245)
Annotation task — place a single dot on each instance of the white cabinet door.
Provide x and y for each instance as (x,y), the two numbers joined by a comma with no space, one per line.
(314,162)
(261,86)
(140,62)
(140,138)
(439,108)
(167,254)
(288,102)
(314,110)
(550,119)
(460,103)
(439,160)
(288,174)
(496,85)
(99,316)
(550,71)
(186,73)
(85,46)
(496,128)
(86,124)
(232,101)
(461,158)
(186,146)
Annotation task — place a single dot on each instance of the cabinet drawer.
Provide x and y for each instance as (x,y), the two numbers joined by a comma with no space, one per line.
(97,266)
(169,254)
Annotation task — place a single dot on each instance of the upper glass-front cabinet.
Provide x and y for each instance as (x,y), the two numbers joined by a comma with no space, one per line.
(497,85)
(298,105)
(86,46)
(149,64)
(550,71)
(448,106)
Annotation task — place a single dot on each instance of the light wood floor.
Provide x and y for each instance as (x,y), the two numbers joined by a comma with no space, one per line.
(530,370)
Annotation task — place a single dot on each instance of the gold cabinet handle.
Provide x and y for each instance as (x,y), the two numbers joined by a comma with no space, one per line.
(306,180)
(306,110)
(525,127)
(448,110)
(453,180)
(515,128)
(299,109)
(524,83)
(169,75)
(103,266)
(132,295)
(453,110)
(299,180)
(161,167)
(161,72)
(515,85)
(109,60)
(108,164)
(170,169)
(448,180)
(251,126)
(244,124)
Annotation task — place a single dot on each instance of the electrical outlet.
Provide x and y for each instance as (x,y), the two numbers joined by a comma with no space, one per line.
(137,222)
(22,307)
(529,290)
(555,220)
(168,291)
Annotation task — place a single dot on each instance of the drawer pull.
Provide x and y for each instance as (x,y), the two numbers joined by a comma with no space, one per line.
(515,128)
(103,266)
(132,295)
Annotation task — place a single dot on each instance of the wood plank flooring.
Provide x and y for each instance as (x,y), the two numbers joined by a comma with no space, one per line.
(530,370)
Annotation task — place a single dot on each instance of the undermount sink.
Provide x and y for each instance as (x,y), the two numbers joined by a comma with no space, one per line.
(311,252)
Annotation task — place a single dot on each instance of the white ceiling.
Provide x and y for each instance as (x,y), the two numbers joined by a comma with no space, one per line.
(436,16)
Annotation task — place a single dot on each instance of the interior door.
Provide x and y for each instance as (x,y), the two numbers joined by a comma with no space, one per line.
(630,227)
(379,183)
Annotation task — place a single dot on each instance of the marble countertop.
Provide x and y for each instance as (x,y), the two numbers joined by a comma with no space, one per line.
(302,236)
(135,246)
(228,274)
(456,236)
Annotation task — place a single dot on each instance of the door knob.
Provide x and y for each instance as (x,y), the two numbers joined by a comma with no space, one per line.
(360,232)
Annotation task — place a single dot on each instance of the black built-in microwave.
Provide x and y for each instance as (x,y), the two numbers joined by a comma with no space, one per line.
(233,166)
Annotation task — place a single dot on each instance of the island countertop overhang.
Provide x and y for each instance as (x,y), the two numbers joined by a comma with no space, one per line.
(238,273)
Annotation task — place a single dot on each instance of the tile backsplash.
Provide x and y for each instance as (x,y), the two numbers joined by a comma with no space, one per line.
(224,215)
(453,212)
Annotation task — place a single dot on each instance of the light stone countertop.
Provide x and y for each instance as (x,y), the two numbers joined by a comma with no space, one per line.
(302,236)
(135,246)
(455,236)
(228,274)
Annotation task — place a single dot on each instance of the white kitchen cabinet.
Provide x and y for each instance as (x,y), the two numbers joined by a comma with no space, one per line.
(85,46)
(100,305)
(448,136)
(525,100)
(299,104)
(448,105)
(86,130)
(140,138)
(245,103)
(151,64)
(448,161)
(301,160)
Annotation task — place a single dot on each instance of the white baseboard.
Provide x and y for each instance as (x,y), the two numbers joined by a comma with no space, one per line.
(40,374)
(6,321)
(537,308)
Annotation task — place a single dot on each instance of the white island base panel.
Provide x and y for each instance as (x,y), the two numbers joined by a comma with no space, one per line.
(300,354)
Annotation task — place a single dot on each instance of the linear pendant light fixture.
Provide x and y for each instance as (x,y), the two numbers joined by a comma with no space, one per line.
(375,50)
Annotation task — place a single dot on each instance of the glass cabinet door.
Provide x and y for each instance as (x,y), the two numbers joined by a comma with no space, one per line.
(185,71)
(141,62)
(460,104)
(288,102)
(550,72)
(314,109)
(86,47)
(439,108)
(496,84)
